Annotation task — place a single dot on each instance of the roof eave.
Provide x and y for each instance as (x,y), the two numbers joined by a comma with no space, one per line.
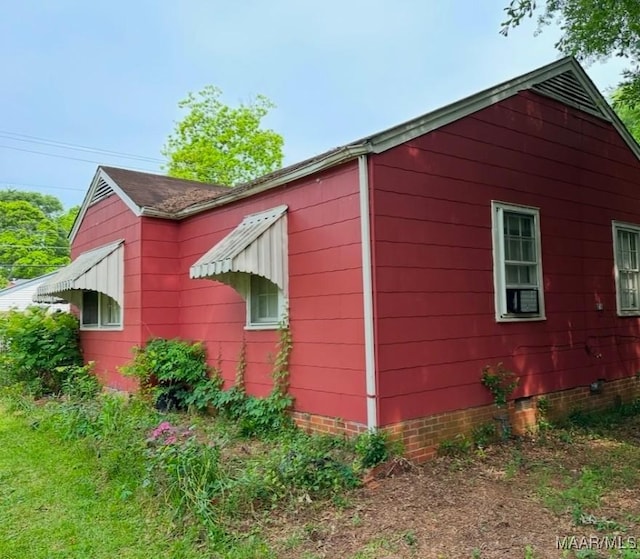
(407,131)
(338,157)
(100,174)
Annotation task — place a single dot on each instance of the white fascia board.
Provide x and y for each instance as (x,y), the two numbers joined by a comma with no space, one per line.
(412,129)
(101,174)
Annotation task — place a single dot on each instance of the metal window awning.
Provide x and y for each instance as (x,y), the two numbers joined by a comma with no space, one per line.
(100,269)
(257,246)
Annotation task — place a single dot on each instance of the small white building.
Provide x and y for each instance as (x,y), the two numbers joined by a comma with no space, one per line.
(20,295)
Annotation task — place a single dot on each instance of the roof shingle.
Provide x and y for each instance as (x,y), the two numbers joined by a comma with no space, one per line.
(158,192)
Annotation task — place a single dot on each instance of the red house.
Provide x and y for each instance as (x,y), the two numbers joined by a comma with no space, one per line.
(502,228)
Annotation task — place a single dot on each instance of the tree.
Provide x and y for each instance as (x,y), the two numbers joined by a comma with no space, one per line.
(628,112)
(219,144)
(50,205)
(33,236)
(67,219)
(592,29)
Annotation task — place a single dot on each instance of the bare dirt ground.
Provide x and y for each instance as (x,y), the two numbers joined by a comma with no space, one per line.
(511,501)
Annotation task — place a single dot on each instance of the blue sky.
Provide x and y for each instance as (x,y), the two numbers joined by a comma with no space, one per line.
(109,75)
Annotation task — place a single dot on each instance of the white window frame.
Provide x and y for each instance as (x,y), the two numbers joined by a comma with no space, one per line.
(242,283)
(103,300)
(633,229)
(498,210)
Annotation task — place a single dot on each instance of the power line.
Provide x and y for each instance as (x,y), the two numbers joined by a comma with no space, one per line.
(16,265)
(67,157)
(3,245)
(66,145)
(10,184)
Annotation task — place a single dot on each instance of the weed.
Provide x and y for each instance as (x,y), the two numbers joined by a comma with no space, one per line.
(483,435)
(529,553)
(516,463)
(458,446)
(372,448)
(410,538)
(500,382)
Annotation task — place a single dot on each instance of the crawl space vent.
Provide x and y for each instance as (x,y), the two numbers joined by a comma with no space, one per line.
(567,88)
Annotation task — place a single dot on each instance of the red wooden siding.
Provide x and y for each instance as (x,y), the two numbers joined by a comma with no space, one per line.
(325,295)
(434,299)
(160,280)
(104,222)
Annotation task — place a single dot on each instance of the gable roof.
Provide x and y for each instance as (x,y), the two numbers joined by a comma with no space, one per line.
(145,193)
(563,80)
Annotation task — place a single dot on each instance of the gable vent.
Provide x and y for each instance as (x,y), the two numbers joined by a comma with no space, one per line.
(567,88)
(102,191)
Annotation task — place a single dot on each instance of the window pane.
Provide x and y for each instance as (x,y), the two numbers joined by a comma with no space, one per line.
(109,311)
(528,251)
(520,248)
(514,251)
(263,300)
(511,273)
(511,224)
(90,308)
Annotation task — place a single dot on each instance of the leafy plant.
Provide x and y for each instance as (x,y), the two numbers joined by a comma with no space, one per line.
(483,435)
(458,446)
(187,470)
(176,373)
(500,381)
(265,417)
(372,448)
(39,349)
(80,383)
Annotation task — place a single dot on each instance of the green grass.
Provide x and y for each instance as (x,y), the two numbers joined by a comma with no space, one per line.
(55,504)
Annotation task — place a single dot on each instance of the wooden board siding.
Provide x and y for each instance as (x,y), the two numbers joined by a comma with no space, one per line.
(104,222)
(159,277)
(434,298)
(325,295)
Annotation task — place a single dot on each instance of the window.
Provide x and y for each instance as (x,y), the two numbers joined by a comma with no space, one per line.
(517,263)
(626,240)
(90,306)
(99,311)
(264,307)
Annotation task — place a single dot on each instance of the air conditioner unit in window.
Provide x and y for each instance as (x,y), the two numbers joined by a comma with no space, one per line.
(522,301)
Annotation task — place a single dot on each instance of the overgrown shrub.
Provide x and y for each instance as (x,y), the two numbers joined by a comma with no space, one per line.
(80,383)
(176,373)
(372,448)
(265,417)
(38,349)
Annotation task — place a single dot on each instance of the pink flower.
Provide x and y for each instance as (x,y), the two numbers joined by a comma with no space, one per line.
(164,427)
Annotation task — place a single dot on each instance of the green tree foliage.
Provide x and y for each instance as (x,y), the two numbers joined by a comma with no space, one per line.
(67,219)
(39,349)
(628,111)
(33,234)
(219,144)
(50,205)
(591,29)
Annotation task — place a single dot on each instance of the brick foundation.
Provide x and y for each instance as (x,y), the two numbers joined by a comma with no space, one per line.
(421,437)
